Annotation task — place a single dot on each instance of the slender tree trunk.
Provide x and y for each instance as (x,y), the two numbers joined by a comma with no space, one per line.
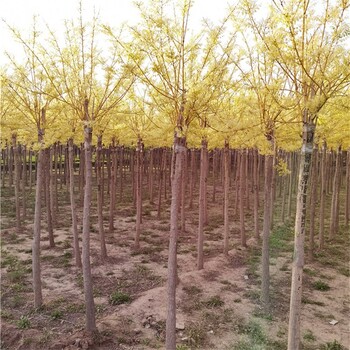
(178,154)
(183,193)
(24,183)
(36,268)
(256,193)
(242,188)
(202,189)
(121,167)
(138,193)
(99,198)
(87,277)
(17,183)
(313,199)
(30,170)
(151,176)
(161,178)
(215,166)
(226,197)
(52,185)
(112,202)
(323,195)
(82,175)
(11,154)
(76,248)
(335,196)
(48,199)
(290,185)
(265,277)
(298,260)
(246,156)
(347,189)
(192,178)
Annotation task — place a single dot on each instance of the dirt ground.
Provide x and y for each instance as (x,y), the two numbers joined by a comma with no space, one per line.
(217,308)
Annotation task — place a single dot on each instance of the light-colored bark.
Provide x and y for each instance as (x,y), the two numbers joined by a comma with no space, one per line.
(201,221)
(242,189)
(334,226)
(76,248)
(322,196)
(48,199)
(101,230)
(112,196)
(313,200)
(138,193)
(265,259)
(87,276)
(178,154)
(226,197)
(298,258)
(15,148)
(192,177)
(347,189)
(256,193)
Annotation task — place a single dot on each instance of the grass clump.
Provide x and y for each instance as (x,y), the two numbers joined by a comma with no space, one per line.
(23,322)
(320,285)
(332,346)
(118,298)
(214,301)
(309,336)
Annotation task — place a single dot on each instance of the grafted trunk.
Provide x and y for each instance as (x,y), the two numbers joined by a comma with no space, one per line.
(76,248)
(335,196)
(88,290)
(179,150)
(298,258)
(201,221)
(101,230)
(313,199)
(226,197)
(17,183)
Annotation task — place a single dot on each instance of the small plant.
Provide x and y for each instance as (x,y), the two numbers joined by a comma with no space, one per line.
(320,285)
(23,322)
(182,347)
(309,336)
(332,346)
(56,314)
(118,298)
(214,301)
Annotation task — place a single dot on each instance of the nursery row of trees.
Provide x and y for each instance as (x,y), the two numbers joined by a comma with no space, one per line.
(254,80)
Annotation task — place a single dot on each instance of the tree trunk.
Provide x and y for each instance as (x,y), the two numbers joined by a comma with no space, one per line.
(323,195)
(151,176)
(138,193)
(242,189)
(101,230)
(192,178)
(88,290)
(298,260)
(226,197)
(121,166)
(48,199)
(256,193)
(265,276)
(112,202)
(179,150)
(17,183)
(36,268)
(161,178)
(347,189)
(76,248)
(313,200)
(183,192)
(335,196)
(202,189)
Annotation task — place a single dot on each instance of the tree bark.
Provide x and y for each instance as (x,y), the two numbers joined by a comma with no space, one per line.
(256,194)
(87,277)
(17,183)
(138,193)
(347,189)
(179,150)
(101,230)
(202,189)
(183,192)
(192,177)
(76,248)
(48,199)
(242,190)
(112,202)
(36,268)
(323,195)
(265,276)
(298,260)
(335,196)
(226,197)
(313,200)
